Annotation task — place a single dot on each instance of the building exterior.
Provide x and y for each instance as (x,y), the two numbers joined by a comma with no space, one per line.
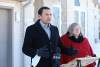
(16,15)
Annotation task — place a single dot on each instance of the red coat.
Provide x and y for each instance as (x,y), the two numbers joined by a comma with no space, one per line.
(83,48)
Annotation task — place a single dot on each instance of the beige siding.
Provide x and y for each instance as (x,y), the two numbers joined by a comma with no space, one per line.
(10,1)
(15,3)
(51,2)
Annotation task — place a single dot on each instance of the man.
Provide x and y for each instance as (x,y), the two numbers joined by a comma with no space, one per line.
(42,39)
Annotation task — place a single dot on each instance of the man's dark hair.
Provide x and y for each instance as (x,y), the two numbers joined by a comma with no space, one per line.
(40,11)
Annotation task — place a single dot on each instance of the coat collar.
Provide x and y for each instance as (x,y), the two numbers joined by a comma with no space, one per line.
(44,25)
(78,40)
(39,28)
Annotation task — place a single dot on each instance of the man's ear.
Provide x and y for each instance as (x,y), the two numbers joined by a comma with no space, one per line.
(39,16)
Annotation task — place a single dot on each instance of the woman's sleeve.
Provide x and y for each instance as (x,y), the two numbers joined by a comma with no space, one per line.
(91,50)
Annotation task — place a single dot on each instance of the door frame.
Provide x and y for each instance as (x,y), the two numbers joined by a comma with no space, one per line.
(12,8)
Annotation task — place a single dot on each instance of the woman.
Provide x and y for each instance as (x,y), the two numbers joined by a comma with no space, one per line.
(77,45)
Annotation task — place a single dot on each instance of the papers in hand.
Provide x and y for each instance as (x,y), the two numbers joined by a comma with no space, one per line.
(70,64)
(84,61)
(35,60)
(88,60)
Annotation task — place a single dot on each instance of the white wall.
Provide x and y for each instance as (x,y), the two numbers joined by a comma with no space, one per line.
(17,56)
(28,18)
(17,38)
(93,27)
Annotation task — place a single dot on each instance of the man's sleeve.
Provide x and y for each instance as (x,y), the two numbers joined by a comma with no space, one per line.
(27,48)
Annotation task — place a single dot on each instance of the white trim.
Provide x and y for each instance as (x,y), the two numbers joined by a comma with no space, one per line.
(58,6)
(7,5)
(12,7)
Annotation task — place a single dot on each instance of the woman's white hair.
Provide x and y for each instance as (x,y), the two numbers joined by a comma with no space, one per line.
(71,27)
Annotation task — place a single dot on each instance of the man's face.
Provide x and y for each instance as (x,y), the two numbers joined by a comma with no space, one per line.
(46,16)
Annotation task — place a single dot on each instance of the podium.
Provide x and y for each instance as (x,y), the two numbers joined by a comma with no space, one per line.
(82,62)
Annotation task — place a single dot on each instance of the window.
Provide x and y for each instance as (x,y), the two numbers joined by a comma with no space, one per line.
(83,22)
(76,18)
(77,3)
(79,17)
(99,30)
(56,16)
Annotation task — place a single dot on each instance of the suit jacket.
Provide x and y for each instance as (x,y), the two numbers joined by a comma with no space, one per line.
(36,37)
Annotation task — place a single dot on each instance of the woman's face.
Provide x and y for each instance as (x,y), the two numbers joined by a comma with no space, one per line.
(76,30)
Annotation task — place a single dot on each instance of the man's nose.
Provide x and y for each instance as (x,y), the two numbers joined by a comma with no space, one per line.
(49,16)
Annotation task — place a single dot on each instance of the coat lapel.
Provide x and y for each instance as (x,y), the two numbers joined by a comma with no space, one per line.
(52,33)
(39,27)
(41,30)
